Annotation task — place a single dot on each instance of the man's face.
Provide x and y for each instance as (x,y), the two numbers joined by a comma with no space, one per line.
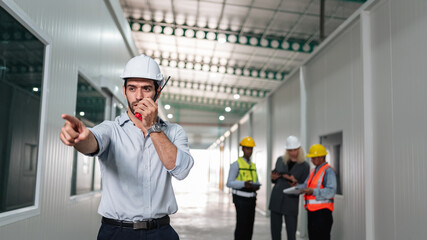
(137,89)
(318,160)
(247,152)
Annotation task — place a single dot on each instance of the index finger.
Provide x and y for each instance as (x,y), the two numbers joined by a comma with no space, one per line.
(149,102)
(69,118)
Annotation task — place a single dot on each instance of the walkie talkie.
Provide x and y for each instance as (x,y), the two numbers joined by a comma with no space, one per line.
(157,93)
(138,115)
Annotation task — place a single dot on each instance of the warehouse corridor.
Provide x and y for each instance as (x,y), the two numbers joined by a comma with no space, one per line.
(208,213)
(347,74)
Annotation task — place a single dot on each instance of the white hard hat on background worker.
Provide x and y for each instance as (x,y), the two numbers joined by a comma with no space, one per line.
(292,142)
(143,67)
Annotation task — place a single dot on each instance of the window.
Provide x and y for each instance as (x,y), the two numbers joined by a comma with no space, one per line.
(90,109)
(21,77)
(117,108)
(333,145)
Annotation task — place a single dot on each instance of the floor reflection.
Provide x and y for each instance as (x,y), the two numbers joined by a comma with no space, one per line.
(207,213)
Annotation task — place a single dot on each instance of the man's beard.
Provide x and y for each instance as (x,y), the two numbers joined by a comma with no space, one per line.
(132,110)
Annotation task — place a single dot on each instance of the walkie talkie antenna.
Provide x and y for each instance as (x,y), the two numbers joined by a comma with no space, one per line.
(157,93)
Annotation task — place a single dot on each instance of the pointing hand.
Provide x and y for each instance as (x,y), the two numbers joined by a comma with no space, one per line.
(73,130)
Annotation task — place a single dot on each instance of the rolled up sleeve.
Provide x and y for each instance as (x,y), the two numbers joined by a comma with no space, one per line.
(102,133)
(184,160)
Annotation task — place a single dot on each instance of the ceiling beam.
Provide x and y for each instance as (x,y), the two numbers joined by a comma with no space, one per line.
(250,92)
(204,103)
(255,73)
(236,37)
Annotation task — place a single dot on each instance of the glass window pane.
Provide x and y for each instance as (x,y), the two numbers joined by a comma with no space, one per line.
(333,144)
(90,108)
(97,176)
(21,74)
(117,108)
(84,174)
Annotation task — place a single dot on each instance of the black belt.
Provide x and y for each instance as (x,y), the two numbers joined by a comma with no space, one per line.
(138,225)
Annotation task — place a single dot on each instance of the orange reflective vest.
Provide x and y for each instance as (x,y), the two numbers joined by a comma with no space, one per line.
(316,181)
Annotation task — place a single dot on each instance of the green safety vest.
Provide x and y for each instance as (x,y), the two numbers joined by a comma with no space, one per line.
(246,172)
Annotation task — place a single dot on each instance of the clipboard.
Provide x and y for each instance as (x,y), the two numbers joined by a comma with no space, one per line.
(293,190)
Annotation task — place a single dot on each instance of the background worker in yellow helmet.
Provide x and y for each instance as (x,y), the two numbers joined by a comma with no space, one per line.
(243,179)
(319,189)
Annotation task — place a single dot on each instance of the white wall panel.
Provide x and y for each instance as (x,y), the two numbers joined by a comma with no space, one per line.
(84,36)
(382,126)
(399,86)
(226,162)
(286,110)
(214,165)
(234,146)
(234,151)
(261,121)
(244,129)
(335,103)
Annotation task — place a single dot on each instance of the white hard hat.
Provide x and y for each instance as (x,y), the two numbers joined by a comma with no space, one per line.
(292,142)
(143,67)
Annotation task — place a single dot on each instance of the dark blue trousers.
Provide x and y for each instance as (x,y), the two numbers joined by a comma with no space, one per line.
(109,232)
(245,217)
(276,220)
(320,224)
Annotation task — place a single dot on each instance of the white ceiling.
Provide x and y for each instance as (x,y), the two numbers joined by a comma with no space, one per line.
(214,49)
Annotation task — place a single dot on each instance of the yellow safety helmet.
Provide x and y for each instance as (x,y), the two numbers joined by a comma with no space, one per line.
(247,142)
(317,150)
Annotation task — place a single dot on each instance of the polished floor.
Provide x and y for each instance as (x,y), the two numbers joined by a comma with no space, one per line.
(209,215)
(206,213)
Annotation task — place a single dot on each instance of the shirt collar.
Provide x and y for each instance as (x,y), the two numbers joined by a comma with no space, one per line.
(318,167)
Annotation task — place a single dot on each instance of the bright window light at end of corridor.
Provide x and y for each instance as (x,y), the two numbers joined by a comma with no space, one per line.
(82,113)
(35,89)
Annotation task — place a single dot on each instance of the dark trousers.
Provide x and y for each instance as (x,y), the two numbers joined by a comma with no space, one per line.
(276,225)
(109,232)
(319,224)
(245,217)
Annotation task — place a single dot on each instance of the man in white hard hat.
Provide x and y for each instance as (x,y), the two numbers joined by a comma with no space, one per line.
(138,157)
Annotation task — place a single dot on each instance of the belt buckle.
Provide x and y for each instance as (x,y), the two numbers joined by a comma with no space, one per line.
(140,225)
